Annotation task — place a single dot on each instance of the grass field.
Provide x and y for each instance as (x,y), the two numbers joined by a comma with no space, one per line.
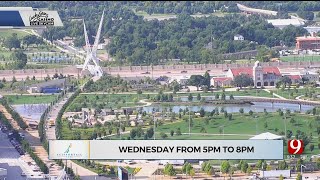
(130,100)
(287,93)
(165,16)
(4,33)
(5,54)
(244,125)
(241,126)
(292,58)
(30,99)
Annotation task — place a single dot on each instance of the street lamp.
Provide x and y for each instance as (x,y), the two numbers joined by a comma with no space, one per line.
(301,168)
(255,110)
(154,126)
(285,123)
(189,122)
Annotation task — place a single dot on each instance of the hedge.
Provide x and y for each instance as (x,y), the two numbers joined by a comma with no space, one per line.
(64,107)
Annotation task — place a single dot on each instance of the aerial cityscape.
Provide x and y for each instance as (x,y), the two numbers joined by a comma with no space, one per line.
(161,70)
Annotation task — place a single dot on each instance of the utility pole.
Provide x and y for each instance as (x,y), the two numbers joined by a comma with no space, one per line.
(189,122)
(154,126)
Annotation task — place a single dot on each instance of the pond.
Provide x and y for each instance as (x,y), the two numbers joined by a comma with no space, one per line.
(256,107)
(31,112)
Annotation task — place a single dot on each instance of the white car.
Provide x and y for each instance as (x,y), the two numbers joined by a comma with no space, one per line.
(128,161)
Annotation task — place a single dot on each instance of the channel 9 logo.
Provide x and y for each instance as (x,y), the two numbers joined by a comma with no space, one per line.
(295,146)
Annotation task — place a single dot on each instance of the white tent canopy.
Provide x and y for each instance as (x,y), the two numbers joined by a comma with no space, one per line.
(267,136)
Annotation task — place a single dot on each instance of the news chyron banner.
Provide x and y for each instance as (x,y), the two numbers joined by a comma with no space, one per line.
(166,149)
(27,17)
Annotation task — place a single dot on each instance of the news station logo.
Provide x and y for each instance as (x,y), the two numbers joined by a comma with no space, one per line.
(295,146)
(41,19)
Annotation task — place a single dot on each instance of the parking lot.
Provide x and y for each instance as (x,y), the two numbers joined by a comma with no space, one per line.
(18,166)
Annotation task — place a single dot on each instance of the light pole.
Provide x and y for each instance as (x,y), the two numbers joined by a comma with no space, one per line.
(285,123)
(154,126)
(255,110)
(189,122)
(301,168)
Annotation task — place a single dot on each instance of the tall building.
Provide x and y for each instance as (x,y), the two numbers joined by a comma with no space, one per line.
(308,42)
(262,76)
(257,74)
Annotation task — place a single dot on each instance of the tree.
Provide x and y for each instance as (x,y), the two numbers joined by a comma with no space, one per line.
(14,79)
(171,132)
(178,132)
(202,112)
(281,177)
(282,165)
(223,96)
(20,59)
(12,42)
(298,164)
(242,80)
(163,135)
(169,170)
(186,168)
(299,177)
(311,147)
(190,97)
(198,97)
(308,15)
(196,80)
(133,133)
(231,97)
(244,166)
(285,80)
(207,79)
(318,163)
(230,116)
(150,132)
(225,167)
(250,112)
(241,110)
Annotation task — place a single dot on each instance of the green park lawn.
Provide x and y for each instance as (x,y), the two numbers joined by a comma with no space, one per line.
(300,58)
(4,33)
(30,99)
(130,100)
(242,126)
(287,93)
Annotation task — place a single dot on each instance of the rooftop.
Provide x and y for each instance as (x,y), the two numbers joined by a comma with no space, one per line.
(307,38)
(285,22)
(221,78)
(249,71)
(266,136)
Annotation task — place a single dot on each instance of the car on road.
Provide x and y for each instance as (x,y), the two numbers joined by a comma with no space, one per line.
(128,161)
(145,73)
(23,174)
(184,71)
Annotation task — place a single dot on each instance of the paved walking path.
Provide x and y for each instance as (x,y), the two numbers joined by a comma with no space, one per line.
(274,94)
(51,135)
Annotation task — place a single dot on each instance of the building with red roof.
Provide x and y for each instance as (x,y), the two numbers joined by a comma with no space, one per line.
(308,42)
(295,79)
(221,81)
(262,76)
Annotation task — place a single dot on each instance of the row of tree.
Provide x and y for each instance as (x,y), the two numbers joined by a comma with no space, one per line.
(14,114)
